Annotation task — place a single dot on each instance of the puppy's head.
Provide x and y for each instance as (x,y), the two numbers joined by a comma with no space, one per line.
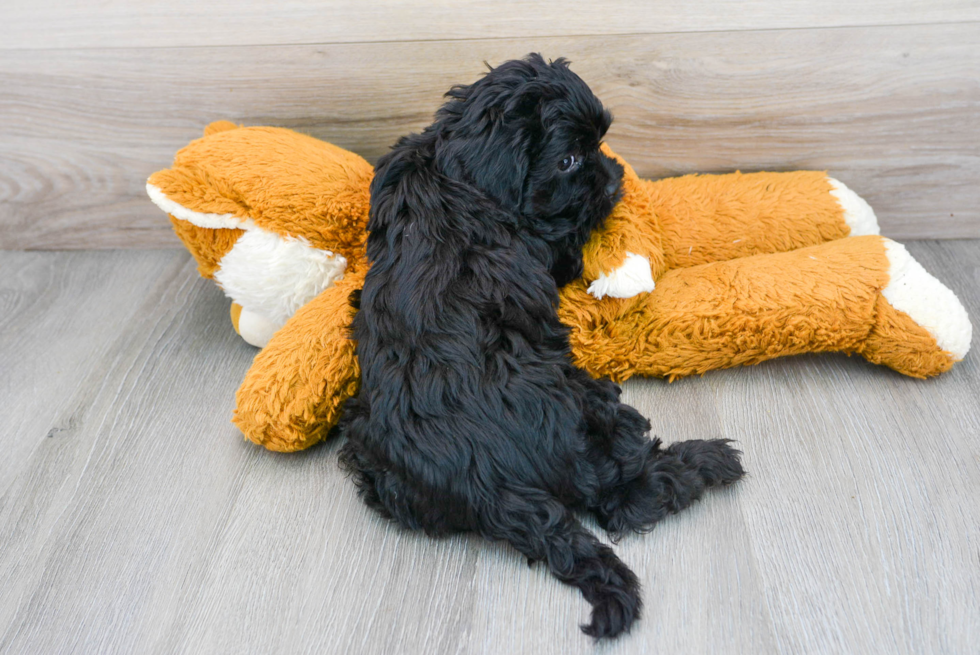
(527,134)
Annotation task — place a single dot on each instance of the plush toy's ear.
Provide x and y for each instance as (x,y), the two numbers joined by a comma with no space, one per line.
(219,126)
(269,178)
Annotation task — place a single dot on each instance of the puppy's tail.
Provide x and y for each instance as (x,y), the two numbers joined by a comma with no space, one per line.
(544,530)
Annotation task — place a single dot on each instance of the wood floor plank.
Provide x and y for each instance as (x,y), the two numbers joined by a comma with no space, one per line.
(156,23)
(891,111)
(81,520)
(59,316)
(149,525)
(860,504)
(862,531)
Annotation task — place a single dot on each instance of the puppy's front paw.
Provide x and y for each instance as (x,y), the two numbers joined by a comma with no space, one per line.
(632,278)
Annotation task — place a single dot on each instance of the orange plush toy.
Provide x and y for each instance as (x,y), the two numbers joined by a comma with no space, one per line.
(687,275)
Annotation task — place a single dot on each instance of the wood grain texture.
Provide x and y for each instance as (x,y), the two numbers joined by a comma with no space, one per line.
(49,309)
(893,112)
(144,523)
(168,23)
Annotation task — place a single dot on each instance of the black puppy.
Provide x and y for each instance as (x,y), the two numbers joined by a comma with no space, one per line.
(471,415)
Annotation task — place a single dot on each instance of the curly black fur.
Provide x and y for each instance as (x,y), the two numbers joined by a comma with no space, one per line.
(471,415)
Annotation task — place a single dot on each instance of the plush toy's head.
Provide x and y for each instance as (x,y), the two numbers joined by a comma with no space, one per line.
(273,216)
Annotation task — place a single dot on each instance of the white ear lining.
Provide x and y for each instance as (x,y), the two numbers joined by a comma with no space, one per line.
(200,219)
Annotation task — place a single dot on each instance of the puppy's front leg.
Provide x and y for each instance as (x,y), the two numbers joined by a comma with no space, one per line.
(541,528)
(567,265)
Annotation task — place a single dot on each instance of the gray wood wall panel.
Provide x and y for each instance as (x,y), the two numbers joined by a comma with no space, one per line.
(894,112)
(149,525)
(165,23)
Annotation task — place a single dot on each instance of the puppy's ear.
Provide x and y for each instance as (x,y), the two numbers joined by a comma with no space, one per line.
(387,176)
(493,151)
(498,166)
(389,190)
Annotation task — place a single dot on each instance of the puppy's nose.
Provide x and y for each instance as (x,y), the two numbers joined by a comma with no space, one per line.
(612,188)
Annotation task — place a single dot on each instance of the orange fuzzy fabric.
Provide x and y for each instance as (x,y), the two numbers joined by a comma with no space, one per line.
(899,343)
(207,245)
(747,268)
(293,393)
(751,214)
(285,182)
(824,298)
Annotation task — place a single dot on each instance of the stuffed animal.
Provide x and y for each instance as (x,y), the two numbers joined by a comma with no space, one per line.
(687,275)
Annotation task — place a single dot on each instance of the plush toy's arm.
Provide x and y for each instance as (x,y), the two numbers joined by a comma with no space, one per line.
(697,219)
(293,393)
(862,294)
(710,218)
(624,257)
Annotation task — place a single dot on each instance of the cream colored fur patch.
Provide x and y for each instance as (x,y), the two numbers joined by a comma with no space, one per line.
(630,279)
(911,289)
(274,275)
(857,212)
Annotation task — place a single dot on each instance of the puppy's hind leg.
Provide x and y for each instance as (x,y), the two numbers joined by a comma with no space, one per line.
(412,505)
(640,482)
(543,529)
(635,497)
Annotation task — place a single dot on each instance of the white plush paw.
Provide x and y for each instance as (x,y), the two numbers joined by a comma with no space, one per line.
(630,279)
(857,212)
(255,328)
(927,301)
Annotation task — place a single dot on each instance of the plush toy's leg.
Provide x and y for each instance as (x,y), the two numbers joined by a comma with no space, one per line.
(699,219)
(293,393)
(857,295)
(710,218)
(254,328)
(915,314)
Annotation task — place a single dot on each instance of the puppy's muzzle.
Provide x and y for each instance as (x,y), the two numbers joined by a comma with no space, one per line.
(615,172)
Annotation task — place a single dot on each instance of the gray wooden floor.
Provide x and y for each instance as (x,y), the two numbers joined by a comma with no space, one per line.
(134,518)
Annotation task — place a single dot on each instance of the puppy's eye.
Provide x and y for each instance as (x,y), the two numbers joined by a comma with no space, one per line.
(569,163)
